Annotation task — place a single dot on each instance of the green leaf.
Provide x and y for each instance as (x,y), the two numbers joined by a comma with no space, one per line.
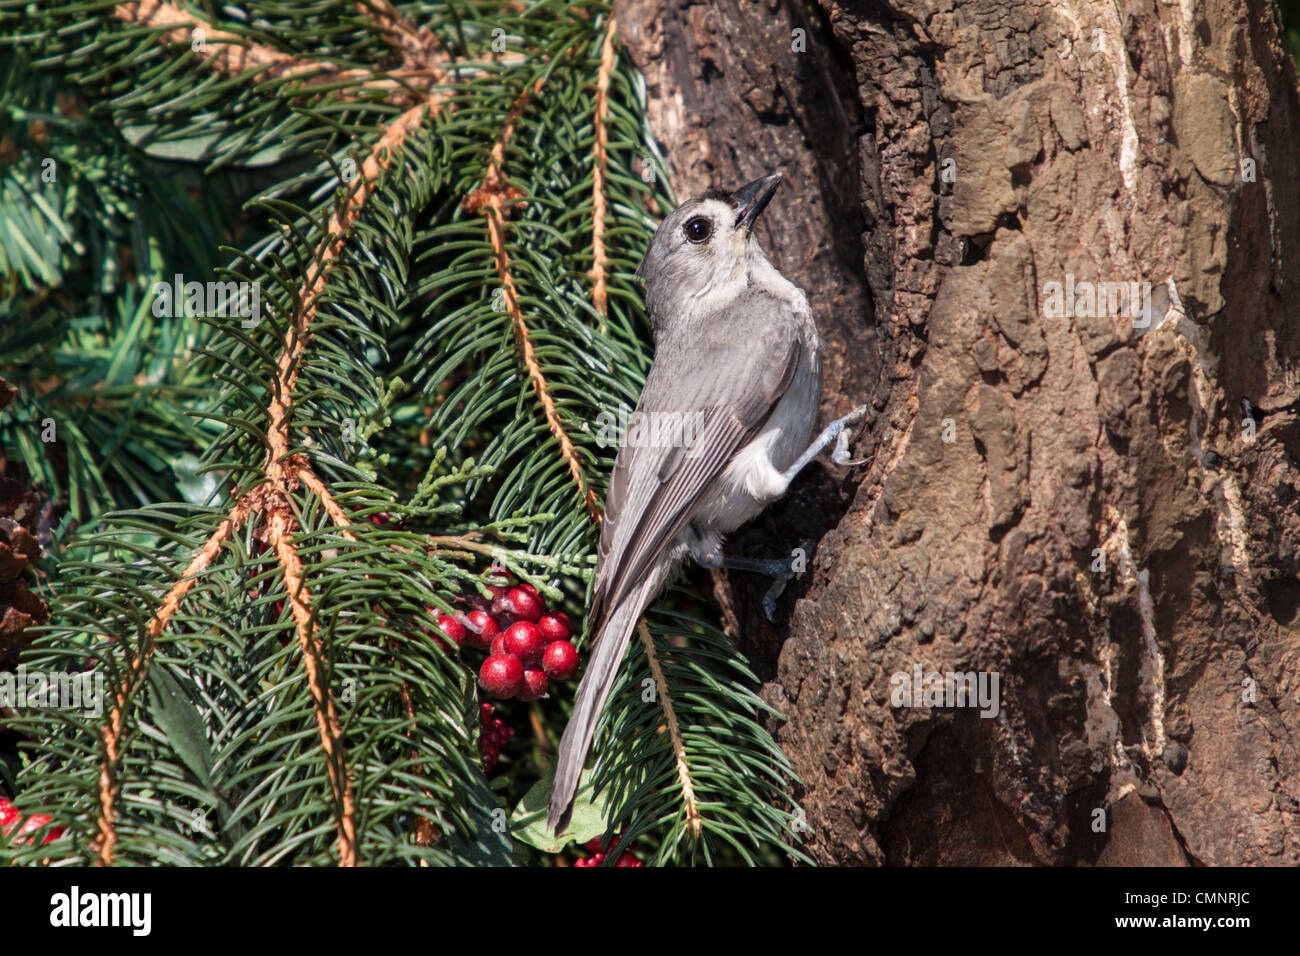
(177,717)
(200,148)
(196,488)
(528,822)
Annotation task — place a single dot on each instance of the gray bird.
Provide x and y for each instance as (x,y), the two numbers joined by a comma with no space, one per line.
(736,362)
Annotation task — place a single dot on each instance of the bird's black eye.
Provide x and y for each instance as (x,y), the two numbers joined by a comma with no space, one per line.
(698,229)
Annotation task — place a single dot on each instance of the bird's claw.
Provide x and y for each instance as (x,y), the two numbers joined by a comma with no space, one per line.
(769,599)
(784,576)
(841,453)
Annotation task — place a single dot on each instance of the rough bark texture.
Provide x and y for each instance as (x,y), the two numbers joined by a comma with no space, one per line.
(1104,514)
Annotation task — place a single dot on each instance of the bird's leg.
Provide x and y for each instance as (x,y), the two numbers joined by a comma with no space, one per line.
(834,432)
(785,570)
(782,570)
(773,568)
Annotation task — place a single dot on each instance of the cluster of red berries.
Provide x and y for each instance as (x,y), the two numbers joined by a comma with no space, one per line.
(626,858)
(528,646)
(9,815)
(493,737)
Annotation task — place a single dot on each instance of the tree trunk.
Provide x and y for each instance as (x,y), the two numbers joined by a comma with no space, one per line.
(1097,506)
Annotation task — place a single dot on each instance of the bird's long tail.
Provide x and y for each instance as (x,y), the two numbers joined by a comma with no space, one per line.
(602,668)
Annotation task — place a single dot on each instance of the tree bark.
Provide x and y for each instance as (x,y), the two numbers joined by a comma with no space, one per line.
(1101,509)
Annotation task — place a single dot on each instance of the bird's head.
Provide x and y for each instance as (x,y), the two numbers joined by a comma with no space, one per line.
(705,249)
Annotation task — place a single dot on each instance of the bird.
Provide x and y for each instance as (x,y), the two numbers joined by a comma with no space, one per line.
(737,362)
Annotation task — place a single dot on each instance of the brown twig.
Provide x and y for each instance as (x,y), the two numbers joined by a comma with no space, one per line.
(232,54)
(599,261)
(280,525)
(494,198)
(417,45)
(330,503)
(694,824)
(283,471)
(336,230)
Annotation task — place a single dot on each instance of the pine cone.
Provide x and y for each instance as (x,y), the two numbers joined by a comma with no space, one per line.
(19,605)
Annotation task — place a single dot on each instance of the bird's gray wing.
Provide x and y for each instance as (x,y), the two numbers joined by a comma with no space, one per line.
(732,378)
(730,371)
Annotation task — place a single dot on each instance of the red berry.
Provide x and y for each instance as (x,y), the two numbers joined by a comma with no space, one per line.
(560,660)
(501,675)
(535,684)
(627,859)
(9,815)
(481,628)
(592,845)
(452,628)
(498,645)
(525,604)
(54,834)
(35,822)
(555,626)
(495,735)
(525,641)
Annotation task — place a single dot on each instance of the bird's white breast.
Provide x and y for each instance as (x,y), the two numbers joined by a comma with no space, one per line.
(754,477)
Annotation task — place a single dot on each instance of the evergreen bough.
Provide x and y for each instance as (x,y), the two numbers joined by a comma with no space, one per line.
(443,206)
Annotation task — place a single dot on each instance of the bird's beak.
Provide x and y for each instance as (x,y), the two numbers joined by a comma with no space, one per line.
(751,199)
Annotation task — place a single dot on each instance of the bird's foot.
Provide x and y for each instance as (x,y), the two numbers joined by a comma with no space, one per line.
(837,431)
(784,570)
(788,571)
(841,453)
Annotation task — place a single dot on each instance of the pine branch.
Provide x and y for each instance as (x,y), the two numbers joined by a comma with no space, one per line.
(112,730)
(235,56)
(283,690)
(493,199)
(280,527)
(714,784)
(283,472)
(692,809)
